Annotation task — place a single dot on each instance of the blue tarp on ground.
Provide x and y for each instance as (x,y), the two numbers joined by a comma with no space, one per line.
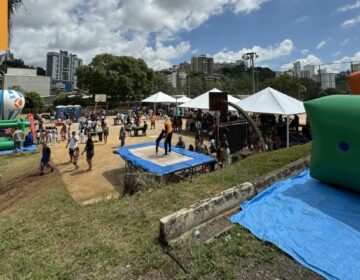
(317,224)
(32,148)
(196,159)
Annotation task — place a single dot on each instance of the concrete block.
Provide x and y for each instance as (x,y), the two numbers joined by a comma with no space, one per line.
(178,223)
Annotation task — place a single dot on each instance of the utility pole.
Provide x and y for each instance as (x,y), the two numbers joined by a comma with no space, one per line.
(251,56)
(189,84)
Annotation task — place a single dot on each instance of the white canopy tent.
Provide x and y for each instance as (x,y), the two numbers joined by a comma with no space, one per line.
(183,99)
(271,101)
(159,97)
(202,101)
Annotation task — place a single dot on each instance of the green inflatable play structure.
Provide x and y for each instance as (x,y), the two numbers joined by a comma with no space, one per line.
(6,141)
(335,157)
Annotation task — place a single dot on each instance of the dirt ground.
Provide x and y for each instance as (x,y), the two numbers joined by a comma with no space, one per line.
(105,181)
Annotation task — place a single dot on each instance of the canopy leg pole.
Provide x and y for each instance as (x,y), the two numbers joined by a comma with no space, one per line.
(287,131)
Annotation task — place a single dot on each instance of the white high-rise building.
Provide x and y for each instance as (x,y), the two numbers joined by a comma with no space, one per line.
(172,78)
(297,69)
(61,67)
(326,80)
(356,67)
(308,71)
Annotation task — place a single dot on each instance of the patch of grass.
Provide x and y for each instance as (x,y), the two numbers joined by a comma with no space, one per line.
(47,235)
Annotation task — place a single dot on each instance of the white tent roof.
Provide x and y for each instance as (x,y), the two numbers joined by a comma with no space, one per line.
(159,97)
(271,101)
(202,101)
(183,99)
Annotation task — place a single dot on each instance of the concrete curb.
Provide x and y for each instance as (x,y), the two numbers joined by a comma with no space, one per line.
(176,224)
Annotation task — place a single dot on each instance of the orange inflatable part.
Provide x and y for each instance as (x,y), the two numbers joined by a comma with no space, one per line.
(354,82)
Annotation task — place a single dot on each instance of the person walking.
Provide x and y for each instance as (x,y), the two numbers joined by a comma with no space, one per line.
(45,159)
(72,143)
(105,129)
(90,151)
(169,132)
(122,136)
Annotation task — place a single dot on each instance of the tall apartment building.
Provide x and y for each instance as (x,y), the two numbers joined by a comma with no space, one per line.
(326,80)
(355,67)
(297,69)
(177,79)
(308,71)
(203,64)
(185,67)
(61,67)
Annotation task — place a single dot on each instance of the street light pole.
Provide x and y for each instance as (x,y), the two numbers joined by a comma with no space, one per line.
(251,56)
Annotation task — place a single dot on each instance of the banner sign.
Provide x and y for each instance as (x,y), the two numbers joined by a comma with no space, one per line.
(32,124)
(4,26)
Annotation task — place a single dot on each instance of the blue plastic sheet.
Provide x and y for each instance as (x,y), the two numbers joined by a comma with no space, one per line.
(148,166)
(317,224)
(32,148)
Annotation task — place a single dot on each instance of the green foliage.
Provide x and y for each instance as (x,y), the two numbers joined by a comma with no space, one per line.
(33,101)
(197,84)
(299,88)
(121,77)
(62,99)
(161,83)
(47,235)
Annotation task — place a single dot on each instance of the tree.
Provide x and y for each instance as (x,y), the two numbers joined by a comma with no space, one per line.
(121,77)
(161,83)
(33,101)
(62,99)
(12,6)
(197,84)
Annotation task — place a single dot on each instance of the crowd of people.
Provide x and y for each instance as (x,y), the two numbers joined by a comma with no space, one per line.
(202,125)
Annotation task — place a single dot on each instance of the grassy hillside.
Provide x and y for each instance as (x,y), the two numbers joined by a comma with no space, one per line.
(44,234)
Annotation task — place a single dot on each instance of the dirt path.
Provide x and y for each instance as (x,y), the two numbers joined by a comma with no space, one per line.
(105,181)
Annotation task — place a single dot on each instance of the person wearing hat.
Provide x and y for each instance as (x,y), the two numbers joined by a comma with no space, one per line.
(169,132)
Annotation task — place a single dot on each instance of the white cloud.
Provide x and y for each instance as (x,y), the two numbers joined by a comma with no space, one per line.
(247,6)
(336,53)
(302,19)
(321,44)
(142,28)
(351,22)
(348,7)
(343,43)
(305,51)
(285,48)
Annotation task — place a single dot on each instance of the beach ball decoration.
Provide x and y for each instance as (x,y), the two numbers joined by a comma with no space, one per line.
(12,103)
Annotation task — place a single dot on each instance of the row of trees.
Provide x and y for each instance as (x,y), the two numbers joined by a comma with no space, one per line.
(129,79)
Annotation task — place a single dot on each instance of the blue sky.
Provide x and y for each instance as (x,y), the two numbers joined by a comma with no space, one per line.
(307,23)
(165,32)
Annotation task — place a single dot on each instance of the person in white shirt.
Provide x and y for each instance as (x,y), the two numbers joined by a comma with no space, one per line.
(82,136)
(72,143)
(54,136)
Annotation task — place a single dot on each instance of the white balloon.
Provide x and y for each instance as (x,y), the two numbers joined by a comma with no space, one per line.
(12,103)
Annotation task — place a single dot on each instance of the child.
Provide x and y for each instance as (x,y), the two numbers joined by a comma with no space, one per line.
(162,135)
(54,136)
(76,157)
(82,136)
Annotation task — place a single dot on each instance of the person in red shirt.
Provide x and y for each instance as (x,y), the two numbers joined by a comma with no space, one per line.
(169,132)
